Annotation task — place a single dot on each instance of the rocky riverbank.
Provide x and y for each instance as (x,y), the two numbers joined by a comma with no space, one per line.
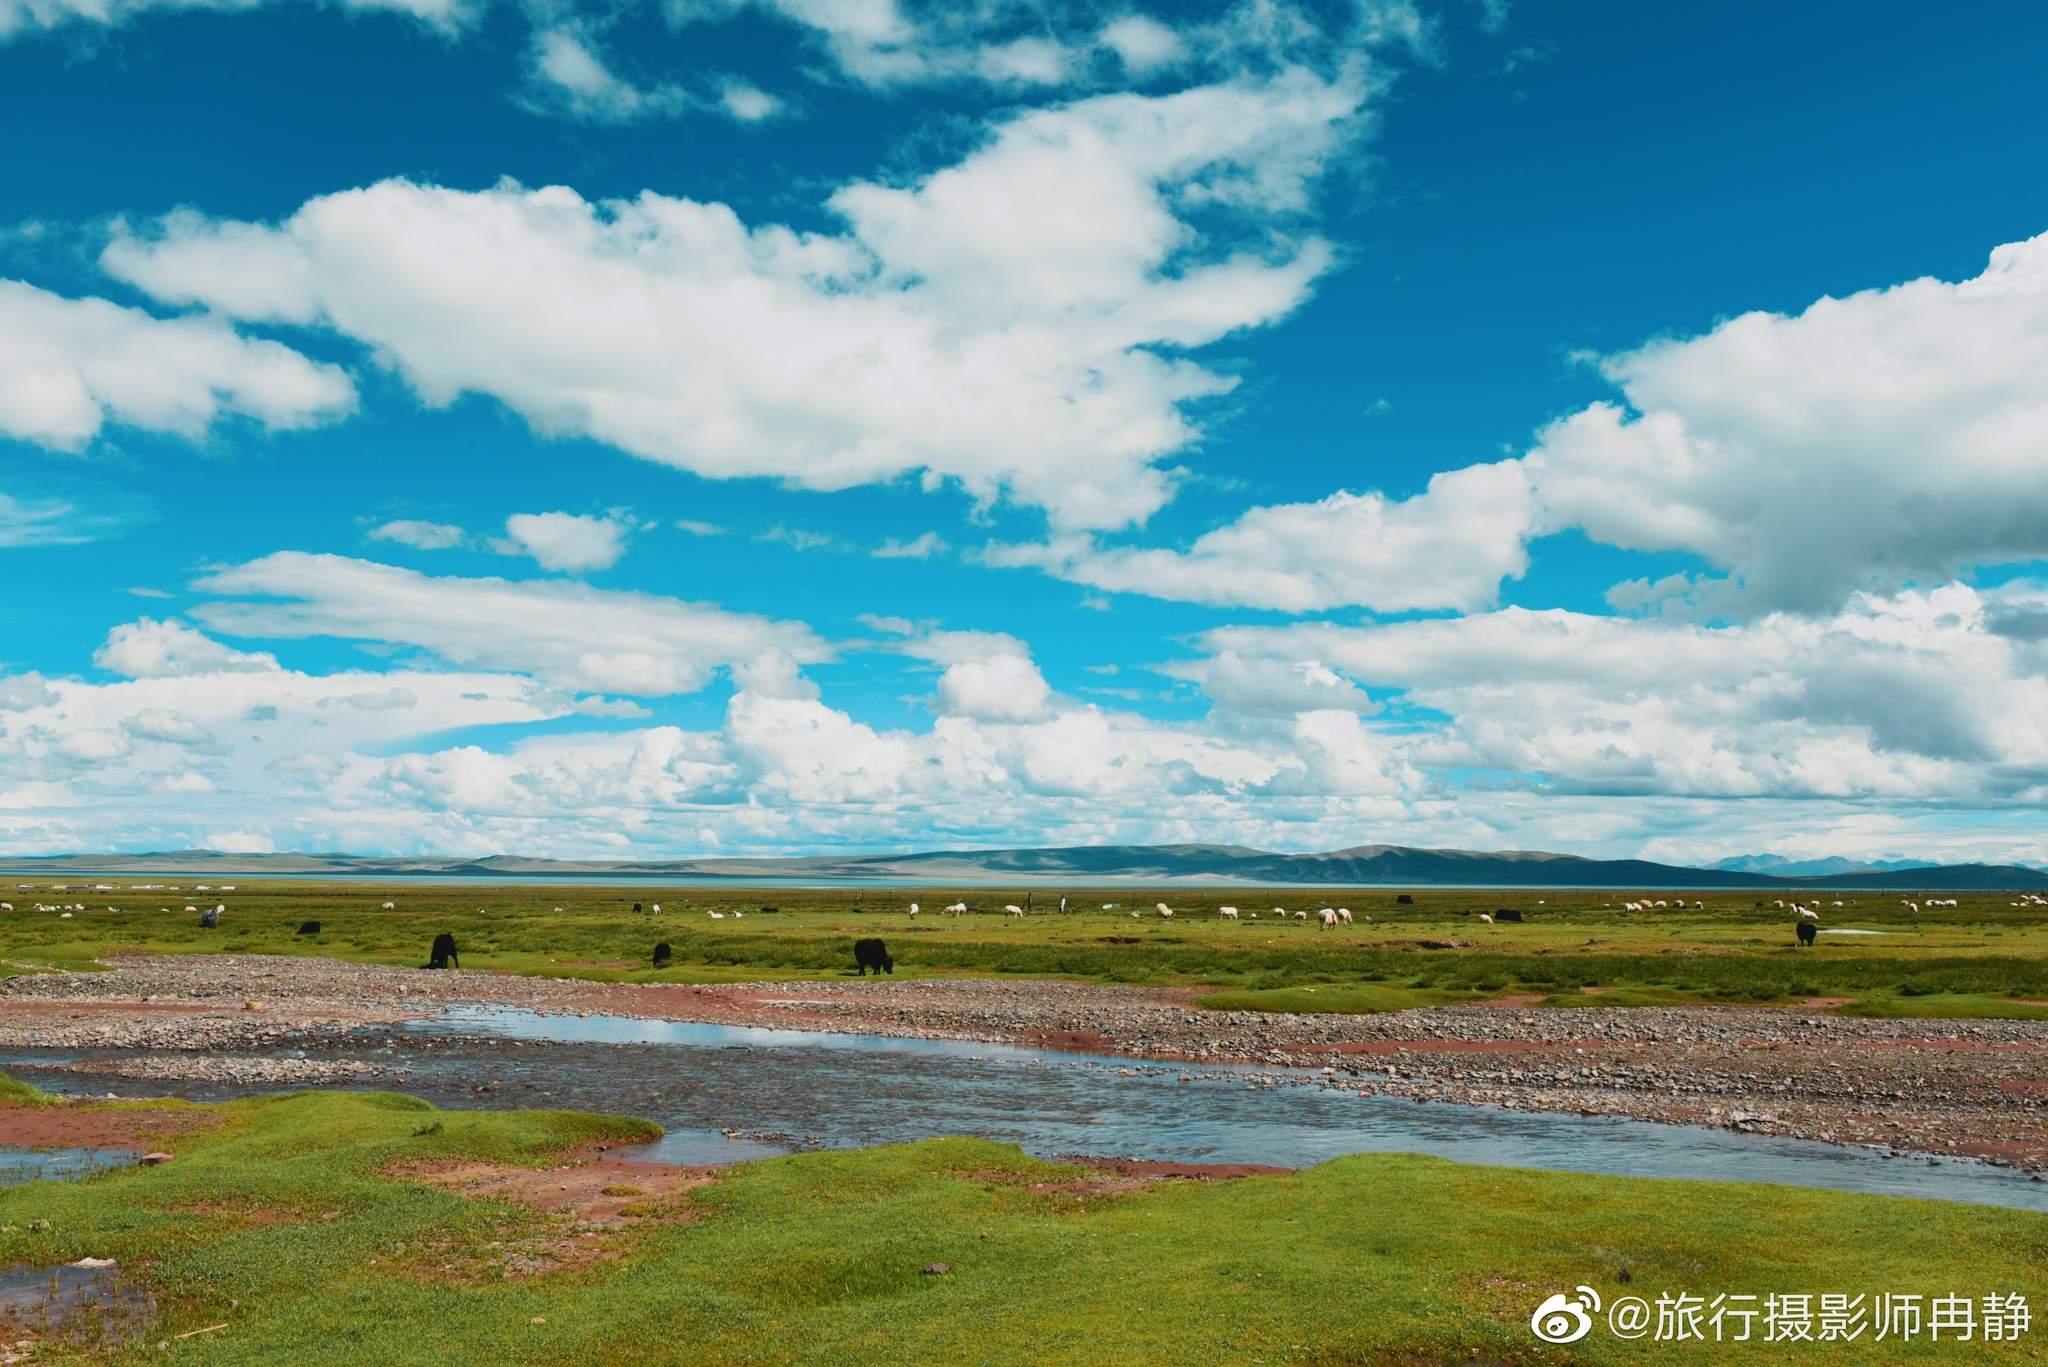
(1919,1086)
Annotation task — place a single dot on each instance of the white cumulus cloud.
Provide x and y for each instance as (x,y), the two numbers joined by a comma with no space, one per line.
(1886,439)
(148,649)
(1916,697)
(1011,323)
(565,541)
(70,366)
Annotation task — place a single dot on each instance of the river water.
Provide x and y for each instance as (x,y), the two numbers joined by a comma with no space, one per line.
(728,1094)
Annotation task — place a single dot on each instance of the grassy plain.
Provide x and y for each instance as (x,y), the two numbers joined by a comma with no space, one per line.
(288,1225)
(1984,957)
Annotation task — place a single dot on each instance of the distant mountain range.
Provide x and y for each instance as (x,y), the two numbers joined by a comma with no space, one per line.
(1778,866)
(1361,866)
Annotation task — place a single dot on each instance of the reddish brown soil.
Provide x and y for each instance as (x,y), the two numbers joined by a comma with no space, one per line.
(91,1127)
(1204,1172)
(578,1182)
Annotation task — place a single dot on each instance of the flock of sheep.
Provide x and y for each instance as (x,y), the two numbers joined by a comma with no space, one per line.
(1330,917)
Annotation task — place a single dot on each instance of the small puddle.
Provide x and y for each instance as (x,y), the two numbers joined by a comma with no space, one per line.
(18,1165)
(75,1304)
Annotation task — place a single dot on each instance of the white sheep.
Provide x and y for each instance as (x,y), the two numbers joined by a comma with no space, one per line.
(1164,910)
(393,906)
(718,916)
(1014,910)
(1301,916)
(1228,913)
(1328,917)
(1486,918)
(1344,915)
(913,908)
(957,909)
(1808,914)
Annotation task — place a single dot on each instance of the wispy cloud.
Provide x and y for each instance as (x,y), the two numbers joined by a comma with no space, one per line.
(923,548)
(424,536)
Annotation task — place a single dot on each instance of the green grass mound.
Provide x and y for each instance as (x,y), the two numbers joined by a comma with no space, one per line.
(286,1224)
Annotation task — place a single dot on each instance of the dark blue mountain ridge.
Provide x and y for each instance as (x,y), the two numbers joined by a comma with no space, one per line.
(1359,866)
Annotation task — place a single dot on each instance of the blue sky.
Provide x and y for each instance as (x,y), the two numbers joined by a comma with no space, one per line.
(757,426)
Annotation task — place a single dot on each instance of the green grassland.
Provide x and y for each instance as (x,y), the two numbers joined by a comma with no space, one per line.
(1984,957)
(289,1224)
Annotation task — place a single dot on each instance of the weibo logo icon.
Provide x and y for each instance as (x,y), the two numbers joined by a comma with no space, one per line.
(1558,1320)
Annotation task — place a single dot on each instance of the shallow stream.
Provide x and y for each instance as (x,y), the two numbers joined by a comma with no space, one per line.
(727,1094)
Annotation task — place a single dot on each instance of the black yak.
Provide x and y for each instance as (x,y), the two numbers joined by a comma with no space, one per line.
(444,955)
(309,928)
(662,955)
(873,954)
(210,918)
(1807,930)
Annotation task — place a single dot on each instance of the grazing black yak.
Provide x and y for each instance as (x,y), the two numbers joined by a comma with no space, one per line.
(1507,914)
(1404,900)
(1807,930)
(309,928)
(873,954)
(210,919)
(662,955)
(444,955)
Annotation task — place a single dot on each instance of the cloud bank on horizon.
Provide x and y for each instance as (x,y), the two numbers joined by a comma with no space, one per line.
(998,468)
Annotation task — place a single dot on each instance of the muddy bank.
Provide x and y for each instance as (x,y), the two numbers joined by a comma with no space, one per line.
(75,1126)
